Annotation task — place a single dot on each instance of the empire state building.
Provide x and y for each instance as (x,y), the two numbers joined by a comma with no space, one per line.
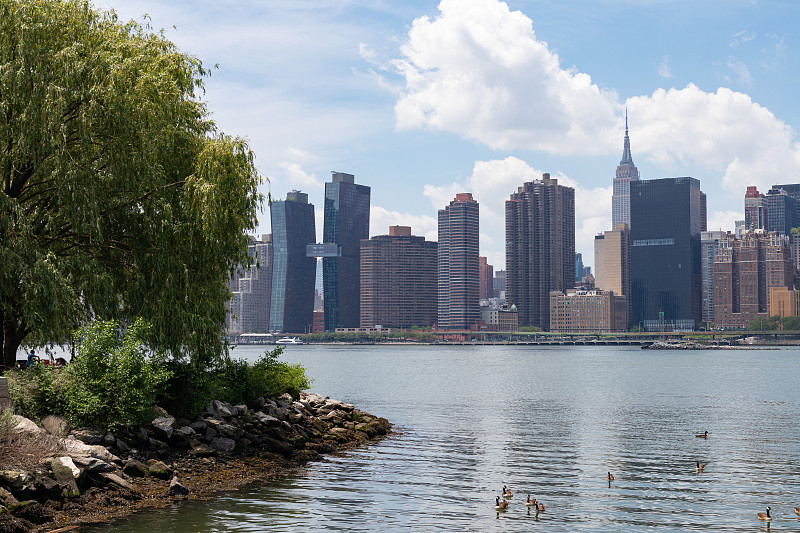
(626,173)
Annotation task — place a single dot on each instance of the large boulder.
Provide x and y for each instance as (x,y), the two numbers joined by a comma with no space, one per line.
(66,474)
(89,436)
(159,469)
(26,426)
(176,488)
(76,448)
(93,465)
(223,444)
(163,426)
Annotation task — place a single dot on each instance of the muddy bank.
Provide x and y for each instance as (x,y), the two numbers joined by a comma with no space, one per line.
(95,475)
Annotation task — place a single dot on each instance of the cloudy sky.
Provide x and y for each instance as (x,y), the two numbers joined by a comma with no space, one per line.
(423,99)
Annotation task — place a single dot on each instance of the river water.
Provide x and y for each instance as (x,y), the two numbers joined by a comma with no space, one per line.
(549,421)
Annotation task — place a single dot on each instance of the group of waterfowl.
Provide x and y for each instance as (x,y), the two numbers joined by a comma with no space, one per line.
(530,503)
(539,508)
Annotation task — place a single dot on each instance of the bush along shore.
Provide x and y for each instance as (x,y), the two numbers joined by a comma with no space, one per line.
(93,475)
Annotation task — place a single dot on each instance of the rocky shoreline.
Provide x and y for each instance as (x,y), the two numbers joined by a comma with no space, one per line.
(95,476)
(688,345)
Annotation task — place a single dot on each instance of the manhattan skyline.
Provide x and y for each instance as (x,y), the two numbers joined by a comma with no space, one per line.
(423,99)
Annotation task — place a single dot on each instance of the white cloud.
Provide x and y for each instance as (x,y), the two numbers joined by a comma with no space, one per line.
(664,69)
(725,133)
(723,220)
(492,183)
(380,219)
(743,75)
(743,36)
(478,70)
(299,178)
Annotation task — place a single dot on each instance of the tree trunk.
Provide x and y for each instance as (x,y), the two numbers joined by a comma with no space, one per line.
(12,338)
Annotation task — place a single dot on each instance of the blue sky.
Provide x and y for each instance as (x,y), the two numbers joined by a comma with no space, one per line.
(424,99)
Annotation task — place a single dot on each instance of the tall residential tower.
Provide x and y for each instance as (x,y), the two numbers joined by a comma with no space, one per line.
(459,276)
(293,274)
(346,222)
(626,173)
(540,247)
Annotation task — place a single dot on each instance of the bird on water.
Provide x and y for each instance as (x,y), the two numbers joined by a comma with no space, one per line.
(507,492)
(529,502)
(610,477)
(538,506)
(498,505)
(797,511)
(700,468)
(703,435)
(765,516)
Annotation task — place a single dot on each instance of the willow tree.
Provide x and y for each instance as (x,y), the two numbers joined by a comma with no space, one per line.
(119,197)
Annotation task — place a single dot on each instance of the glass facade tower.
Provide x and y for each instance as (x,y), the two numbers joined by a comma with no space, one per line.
(346,222)
(667,217)
(293,274)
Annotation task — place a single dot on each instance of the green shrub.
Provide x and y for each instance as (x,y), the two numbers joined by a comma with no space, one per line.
(232,380)
(38,390)
(114,379)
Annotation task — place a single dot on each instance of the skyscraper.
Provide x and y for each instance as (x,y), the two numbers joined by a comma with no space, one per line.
(781,211)
(293,274)
(398,280)
(612,262)
(346,222)
(459,276)
(755,209)
(486,279)
(667,216)
(540,247)
(626,173)
(248,308)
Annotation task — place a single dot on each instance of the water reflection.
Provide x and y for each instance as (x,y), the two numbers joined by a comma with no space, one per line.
(549,422)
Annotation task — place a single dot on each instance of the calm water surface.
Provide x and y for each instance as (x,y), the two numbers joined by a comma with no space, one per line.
(546,421)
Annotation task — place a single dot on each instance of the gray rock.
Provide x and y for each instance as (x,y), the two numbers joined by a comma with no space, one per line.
(109,439)
(202,450)
(7,499)
(222,409)
(122,445)
(63,466)
(182,437)
(89,435)
(93,465)
(134,468)
(259,403)
(159,469)
(211,433)
(66,474)
(199,425)
(241,408)
(223,444)
(114,479)
(286,397)
(24,425)
(163,426)
(177,489)
(76,448)
(265,419)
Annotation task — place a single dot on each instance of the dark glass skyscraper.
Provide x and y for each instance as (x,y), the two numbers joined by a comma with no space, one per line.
(292,302)
(667,216)
(540,247)
(346,222)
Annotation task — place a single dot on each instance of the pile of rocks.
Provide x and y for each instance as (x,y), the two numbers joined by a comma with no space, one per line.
(117,462)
